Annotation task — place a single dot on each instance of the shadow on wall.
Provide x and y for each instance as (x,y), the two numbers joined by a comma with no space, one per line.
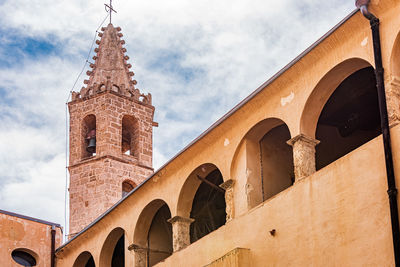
(266,160)
(349,119)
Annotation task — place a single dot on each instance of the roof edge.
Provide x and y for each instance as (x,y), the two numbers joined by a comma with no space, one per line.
(30,218)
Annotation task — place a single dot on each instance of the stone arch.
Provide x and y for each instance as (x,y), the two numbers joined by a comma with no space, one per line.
(190,201)
(113,250)
(88,132)
(130,135)
(265,160)
(127,186)
(152,240)
(323,90)
(85,259)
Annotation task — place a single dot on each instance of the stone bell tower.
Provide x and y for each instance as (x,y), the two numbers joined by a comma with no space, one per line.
(110,133)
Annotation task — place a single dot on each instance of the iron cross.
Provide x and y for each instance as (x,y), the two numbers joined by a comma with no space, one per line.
(110,9)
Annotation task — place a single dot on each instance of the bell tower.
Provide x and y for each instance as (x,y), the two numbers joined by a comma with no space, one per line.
(110,133)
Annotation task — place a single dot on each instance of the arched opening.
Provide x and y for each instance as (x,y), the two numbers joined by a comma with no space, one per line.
(88,136)
(113,250)
(85,259)
(159,239)
(153,234)
(265,159)
(323,90)
(24,257)
(130,135)
(276,159)
(127,186)
(208,207)
(203,200)
(350,117)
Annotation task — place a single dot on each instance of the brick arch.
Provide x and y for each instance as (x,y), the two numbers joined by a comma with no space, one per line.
(88,123)
(324,89)
(126,186)
(108,247)
(130,134)
(83,259)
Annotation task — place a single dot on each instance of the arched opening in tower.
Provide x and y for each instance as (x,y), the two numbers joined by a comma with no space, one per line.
(159,239)
(349,119)
(127,186)
(276,159)
(88,143)
(118,257)
(208,207)
(130,135)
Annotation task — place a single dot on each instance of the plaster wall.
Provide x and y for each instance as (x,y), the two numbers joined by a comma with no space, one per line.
(19,233)
(336,216)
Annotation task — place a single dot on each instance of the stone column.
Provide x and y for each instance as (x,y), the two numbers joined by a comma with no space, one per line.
(303,155)
(140,255)
(230,206)
(392,88)
(180,232)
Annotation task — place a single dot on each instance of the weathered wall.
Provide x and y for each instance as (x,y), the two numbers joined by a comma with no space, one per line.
(19,233)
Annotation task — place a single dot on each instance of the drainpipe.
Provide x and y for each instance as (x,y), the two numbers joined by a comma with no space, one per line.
(392,191)
(53,245)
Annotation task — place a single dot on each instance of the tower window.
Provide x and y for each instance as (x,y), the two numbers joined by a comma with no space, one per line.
(127,186)
(88,147)
(130,135)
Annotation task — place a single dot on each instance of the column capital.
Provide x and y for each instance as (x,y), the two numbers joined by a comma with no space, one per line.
(180,232)
(180,219)
(303,155)
(228,184)
(304,139)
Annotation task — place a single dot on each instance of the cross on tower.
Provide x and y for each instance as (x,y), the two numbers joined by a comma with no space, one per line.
(110,9)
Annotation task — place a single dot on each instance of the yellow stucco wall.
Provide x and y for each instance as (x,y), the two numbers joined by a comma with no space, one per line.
(339,216)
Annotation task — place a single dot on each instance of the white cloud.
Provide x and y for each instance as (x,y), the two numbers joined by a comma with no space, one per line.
(197,58)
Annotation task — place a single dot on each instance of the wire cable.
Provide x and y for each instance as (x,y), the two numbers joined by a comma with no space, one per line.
(66,230)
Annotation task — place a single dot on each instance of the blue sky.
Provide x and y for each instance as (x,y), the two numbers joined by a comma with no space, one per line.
(197,58)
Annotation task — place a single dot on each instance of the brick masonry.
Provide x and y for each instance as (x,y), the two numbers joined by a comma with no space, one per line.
(110,96)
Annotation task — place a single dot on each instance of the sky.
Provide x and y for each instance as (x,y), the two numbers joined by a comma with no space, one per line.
(198,59)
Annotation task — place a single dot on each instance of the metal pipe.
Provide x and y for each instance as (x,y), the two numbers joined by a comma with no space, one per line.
(219,189)
(392,190)
(53,245)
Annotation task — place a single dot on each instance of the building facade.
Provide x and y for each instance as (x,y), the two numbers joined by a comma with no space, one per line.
(294,175)
(27,241)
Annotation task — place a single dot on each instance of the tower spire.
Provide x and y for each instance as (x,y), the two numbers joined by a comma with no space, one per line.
(111,70)
(110,9)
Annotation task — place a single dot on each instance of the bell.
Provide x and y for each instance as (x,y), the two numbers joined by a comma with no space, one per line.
(91,148)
